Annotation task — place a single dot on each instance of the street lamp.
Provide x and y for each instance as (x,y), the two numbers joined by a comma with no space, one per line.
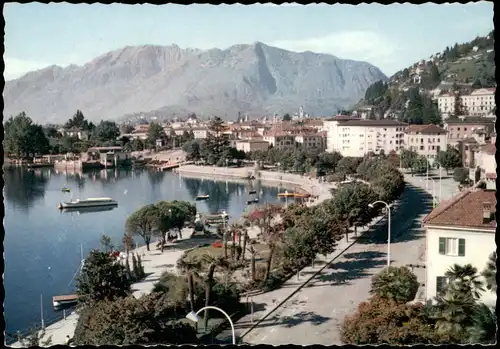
(192,316)
(372,205)
(227,161)
(433,191)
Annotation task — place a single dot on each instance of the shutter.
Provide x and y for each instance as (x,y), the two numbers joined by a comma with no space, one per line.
(442,245)
(439,284)
(461,247)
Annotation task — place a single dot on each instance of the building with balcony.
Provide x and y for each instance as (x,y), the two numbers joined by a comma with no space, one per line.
(426,140)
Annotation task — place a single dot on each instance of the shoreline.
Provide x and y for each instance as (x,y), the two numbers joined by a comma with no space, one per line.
(59,329)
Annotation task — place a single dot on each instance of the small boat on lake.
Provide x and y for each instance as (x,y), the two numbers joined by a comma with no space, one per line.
(65,190)
(83,210)
(202,197)
(60,301)
(90,202)
(253,201)
(253,191)
(293,195)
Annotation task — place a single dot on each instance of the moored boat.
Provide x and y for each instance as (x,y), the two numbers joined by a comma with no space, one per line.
(253,191)
(253,201)
(59,301)
(90,202)
(65,190)
(202,197)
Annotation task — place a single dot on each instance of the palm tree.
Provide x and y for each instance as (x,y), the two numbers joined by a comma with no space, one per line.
(490,273)
(397,283)
(190,267)
(484,325)
(213,262)
(466,279)
(453,312)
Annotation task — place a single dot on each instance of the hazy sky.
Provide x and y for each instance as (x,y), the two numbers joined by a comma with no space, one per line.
(390,37)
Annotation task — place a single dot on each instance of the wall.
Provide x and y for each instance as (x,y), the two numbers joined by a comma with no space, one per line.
(428,142)
(478,246)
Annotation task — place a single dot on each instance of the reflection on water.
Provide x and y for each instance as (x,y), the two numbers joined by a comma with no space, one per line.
(42,244)
(81,210)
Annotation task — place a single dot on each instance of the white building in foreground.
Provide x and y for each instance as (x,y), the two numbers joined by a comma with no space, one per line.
(460,231)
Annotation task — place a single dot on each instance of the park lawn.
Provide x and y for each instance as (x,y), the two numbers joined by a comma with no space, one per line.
(200,251)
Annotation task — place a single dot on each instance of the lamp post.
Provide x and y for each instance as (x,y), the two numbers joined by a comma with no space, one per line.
(192,316)
(286,198)
(227,162)
(372,205)
(433,192)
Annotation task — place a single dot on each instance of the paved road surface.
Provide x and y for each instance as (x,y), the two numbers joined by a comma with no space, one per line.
(314,314)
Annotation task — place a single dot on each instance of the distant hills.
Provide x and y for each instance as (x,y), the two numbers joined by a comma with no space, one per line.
(469,64)
(166,80)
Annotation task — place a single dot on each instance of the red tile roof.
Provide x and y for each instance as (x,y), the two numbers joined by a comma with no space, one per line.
(489,149)
(464,211)
(425,129)
(372,123)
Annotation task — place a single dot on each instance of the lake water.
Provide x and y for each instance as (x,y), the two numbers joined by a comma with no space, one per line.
(42,244)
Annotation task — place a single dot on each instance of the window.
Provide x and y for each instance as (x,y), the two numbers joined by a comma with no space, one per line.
(421,147)
(465,128)
(452,247)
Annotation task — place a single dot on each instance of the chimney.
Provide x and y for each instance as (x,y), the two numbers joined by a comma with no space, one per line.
(487,212)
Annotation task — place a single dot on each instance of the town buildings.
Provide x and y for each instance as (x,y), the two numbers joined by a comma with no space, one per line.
(357,137)
(470,127)
(460,231)
(426,140)
(480,102)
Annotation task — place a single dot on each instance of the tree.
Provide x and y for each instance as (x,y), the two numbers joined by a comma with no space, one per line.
(101,278)
(421,164)
(193,149)
(106,132)
(189,268)
(484,325)
(106,244)
(155,132)
(23,138)
(327,162)
(477,84)
(149,320)
(348,165)
(434,75)
(216,142)
(466,280)
(490,272)
(213,262)
(34,338)
(396,283)
(286,117)
(350,203)
(408,158)
(144,222)
(458,107)
(449,159)
(375,91)
(78,121)
(461,175)
(385,321)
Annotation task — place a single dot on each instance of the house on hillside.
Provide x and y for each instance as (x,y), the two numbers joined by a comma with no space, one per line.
(460,231)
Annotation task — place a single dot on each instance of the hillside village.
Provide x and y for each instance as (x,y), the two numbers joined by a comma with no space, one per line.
(465,69)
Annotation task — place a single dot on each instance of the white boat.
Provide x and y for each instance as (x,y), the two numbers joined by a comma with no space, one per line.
(90,202)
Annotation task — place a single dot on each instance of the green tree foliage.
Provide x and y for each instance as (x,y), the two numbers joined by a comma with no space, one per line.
(408,158)
(421,164)
(106,133)
(327,162)
(149,320)
(375,91)
(490,272)
(34,338)
(23,138)
(287,117)
(144,222)
(483,329)
(449,159)
(477,84)
(395,283)
(459,109)
(106,243)
(101,278)
(193,149)
(421,109)
(155,132)
(348,165)
(78,121)
(216,142)
(350,203)
(461,175)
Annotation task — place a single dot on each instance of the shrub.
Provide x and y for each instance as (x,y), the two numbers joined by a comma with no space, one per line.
(384,321)
(395,283)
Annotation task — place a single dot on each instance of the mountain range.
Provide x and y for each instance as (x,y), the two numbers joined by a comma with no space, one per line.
(257,79)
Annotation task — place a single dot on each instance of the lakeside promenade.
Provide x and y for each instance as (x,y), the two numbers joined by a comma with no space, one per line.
(155,262)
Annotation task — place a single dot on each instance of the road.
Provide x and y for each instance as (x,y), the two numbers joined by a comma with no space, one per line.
(314,314)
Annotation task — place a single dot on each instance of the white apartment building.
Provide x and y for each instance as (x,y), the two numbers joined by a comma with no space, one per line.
(480,102)
(426,140)
(330,128)
(357,137)
(460,231)
(484,159)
